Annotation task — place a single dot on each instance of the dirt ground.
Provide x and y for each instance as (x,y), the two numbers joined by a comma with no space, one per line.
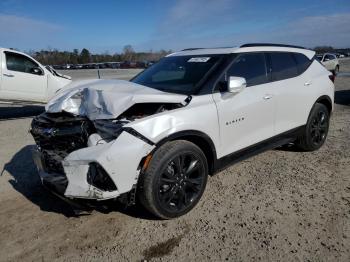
(280,205)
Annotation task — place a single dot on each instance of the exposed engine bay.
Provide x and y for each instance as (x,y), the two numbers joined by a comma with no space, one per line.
(67,132)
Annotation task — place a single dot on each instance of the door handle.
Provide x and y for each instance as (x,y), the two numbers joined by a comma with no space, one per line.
(8,75)
(307,83)
(267,97)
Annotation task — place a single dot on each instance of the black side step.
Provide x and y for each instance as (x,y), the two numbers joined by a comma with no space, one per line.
(271,143)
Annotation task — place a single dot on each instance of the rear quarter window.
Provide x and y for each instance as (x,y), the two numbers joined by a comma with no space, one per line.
(302,62)
(283,66)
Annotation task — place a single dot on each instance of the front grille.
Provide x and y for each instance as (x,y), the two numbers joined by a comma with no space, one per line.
(61,131)
(59,134)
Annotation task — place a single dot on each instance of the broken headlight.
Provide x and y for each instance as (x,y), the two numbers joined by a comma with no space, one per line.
(109,129)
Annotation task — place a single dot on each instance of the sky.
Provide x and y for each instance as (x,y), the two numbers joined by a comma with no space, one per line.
(108,25)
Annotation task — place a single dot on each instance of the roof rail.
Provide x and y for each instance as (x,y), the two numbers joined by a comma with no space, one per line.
(269,44)
(190,49)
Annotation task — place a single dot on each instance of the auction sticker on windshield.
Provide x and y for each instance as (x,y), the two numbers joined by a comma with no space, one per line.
(199,59)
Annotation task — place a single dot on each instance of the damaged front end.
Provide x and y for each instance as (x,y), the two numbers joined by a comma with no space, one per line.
(57,135)
(79,156)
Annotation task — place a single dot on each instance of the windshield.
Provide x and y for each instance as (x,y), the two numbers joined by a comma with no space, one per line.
(177,74)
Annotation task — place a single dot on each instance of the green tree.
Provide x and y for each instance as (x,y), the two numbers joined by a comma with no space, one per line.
(323,49)
(128,53)
(84,56)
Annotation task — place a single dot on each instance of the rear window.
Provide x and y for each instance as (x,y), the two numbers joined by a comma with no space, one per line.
(329,57)
(283,66)
(302,61)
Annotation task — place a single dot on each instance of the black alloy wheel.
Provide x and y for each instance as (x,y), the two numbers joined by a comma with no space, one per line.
(174,180)
(181,182)
(315,132)
(319,128)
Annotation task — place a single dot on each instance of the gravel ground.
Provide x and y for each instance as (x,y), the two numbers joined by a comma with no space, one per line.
(280,205)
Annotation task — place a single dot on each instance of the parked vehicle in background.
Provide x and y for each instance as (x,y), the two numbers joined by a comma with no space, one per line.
(103,65)
(58,67)
(113,65)
(330,61)
(128,64)
(22,78)
(158,136)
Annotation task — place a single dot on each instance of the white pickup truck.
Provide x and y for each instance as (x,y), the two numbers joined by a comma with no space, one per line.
(22,78)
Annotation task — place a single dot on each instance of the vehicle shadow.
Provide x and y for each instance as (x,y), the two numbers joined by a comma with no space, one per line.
(288,148)
(342,97)
(18,111)
(26,181)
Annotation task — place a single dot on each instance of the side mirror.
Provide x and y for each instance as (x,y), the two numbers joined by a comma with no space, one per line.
(236,84)
(326,59)
(36,71)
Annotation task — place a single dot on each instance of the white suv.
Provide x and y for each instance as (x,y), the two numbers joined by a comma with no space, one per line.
(330,62)
(159,136)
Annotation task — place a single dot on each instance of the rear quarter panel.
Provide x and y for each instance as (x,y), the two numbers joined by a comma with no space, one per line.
(321,86)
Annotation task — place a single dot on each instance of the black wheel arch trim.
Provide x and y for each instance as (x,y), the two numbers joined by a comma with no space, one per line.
(190,135)
(329,101)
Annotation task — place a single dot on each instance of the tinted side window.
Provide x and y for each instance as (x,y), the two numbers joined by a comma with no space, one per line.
(20,63)
(302,61)
(283,66)
(250,66)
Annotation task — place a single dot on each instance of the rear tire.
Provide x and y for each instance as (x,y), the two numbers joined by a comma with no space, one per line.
(316,129)
(174,180)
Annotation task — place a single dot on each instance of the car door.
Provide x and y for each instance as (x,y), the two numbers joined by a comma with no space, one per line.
(291,87)
(247,117)
(22,78)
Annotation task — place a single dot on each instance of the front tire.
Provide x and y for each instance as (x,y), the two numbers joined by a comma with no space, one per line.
(316,129)
(175,179)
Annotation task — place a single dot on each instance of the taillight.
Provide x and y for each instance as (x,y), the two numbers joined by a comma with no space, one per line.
(332,77)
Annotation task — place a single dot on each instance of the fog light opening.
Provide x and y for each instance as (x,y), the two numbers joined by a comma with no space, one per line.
(99,178)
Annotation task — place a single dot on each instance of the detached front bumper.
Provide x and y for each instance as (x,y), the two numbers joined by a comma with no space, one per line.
(56,183)
(119,160)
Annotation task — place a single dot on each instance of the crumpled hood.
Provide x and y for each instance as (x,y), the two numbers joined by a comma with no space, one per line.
(106,99)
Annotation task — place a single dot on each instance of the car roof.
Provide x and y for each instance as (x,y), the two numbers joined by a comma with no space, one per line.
(2,49)
(232,50)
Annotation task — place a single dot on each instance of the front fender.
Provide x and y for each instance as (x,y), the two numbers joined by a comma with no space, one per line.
(199,116)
